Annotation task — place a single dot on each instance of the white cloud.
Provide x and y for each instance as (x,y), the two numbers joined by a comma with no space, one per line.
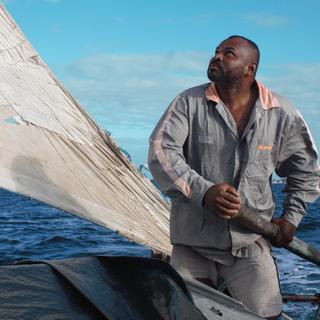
(127,93)
(300,82)
(141,85)
(266,20)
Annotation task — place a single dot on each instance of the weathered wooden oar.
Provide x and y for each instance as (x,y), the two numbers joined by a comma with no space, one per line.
(270,230)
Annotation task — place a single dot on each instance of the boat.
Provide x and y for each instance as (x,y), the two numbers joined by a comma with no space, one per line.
(109,288)
(52,151)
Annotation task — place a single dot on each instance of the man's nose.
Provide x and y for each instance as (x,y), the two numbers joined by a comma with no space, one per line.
(218,56)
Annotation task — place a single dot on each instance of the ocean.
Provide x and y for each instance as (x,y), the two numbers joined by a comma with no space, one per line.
(30,229)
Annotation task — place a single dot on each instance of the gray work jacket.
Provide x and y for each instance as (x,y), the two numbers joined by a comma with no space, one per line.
(196,144)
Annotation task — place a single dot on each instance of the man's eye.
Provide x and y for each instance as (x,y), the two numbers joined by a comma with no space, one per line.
(229,53)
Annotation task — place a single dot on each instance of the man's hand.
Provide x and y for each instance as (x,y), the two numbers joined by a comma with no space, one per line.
(223,200)
(286,232)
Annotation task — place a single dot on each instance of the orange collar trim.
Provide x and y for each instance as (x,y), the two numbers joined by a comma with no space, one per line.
(267,98)
(211,93)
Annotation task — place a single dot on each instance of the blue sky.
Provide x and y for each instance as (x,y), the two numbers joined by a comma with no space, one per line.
(124,61)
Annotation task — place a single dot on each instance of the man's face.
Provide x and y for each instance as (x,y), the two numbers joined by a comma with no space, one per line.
(227,67)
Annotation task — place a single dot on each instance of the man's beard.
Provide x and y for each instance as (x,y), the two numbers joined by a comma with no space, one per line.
(230,79)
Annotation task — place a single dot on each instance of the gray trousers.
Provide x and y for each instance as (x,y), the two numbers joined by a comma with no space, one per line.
(253,281)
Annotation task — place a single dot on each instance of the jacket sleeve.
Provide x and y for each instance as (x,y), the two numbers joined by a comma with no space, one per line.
(166,159)
(298,162)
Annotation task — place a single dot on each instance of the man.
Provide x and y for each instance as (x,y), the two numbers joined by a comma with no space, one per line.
(213,152)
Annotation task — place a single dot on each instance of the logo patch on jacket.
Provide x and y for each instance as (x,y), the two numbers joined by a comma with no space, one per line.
(264,147)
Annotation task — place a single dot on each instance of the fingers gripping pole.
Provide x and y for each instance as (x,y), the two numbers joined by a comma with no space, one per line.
(270,230)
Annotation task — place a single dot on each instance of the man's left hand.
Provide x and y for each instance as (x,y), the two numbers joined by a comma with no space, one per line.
(286,232)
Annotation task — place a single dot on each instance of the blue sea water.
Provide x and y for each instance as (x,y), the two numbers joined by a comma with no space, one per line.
(32,230)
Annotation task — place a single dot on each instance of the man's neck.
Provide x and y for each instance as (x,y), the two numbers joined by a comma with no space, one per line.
(240,102)
(238,98)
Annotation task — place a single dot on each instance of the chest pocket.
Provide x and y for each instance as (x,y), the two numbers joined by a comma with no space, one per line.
(261,146)
(205,147)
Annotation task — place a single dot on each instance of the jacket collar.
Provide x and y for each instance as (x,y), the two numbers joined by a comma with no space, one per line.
(267,98)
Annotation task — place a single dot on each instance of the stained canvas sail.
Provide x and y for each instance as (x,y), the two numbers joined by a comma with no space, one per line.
(51,150)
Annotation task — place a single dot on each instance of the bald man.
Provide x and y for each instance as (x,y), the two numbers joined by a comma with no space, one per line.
(213,152)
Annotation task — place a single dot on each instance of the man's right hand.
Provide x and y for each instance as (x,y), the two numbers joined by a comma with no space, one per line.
(223,200)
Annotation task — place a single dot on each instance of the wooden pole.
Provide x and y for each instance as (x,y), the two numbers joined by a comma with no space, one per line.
(269,230)
(301,298)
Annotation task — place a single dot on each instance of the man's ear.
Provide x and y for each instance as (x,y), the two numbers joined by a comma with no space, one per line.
(251,69)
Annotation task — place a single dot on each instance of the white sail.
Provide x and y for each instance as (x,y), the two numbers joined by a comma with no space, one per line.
(51,150)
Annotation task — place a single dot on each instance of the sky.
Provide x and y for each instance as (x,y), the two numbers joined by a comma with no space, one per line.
(126,60)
